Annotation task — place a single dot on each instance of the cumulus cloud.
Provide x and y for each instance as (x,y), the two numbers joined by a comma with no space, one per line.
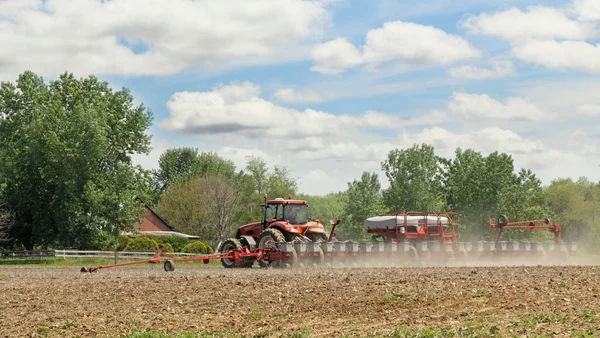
(137,37)
(238,108)
(588,9)
(482,106)
(396,41)
(500,69)
(485,140)
(335,56)
(578,55)
(551,37)
(536,22)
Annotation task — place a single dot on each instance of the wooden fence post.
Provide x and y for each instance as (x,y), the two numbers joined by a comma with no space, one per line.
(116,257)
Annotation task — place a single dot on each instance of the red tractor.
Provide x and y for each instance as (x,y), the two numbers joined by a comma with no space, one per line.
(283,221)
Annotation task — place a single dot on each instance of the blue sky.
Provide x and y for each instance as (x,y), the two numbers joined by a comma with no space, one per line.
(328,88)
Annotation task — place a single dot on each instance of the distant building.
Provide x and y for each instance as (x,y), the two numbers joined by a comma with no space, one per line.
(153,224)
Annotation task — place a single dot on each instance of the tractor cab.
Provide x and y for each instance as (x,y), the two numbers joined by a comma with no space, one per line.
(294,212)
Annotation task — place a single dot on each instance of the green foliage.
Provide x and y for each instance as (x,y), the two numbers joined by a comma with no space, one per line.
(363,200)
(415,182)
(328,207)
(177,164)
(577,208)
(66,159)
(123,242)
(207,207)
(275,183)
(197,247)
(176,242)
(479,188)
(166,247)
(142,244)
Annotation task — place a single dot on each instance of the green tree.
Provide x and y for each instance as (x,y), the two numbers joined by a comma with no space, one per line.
(523,201)
(185,163)
(577,208)
(415,181)
(182,206)
(208,207)
(66,149)
(6,220)
(327,207)
(473,186)
(363,200)
(277,182)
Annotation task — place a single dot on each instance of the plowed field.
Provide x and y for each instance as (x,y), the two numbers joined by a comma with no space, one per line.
(465,301)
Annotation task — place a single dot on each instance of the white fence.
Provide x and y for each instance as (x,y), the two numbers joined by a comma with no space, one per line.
(114,254)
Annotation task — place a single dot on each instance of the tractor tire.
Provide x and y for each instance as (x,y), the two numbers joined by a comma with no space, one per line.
(233,244)
(269,238)
(317,237)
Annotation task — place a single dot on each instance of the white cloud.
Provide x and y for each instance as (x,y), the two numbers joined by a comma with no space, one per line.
(578,55)
(481,106)
(335,56)
(500,69)
(88,36)
(403,41)
(415,43)
(536,22)
(592,110)
(238,109)
(588,9)
(486,140)
(292,95)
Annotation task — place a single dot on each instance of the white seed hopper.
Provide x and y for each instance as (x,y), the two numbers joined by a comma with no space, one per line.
(412,222)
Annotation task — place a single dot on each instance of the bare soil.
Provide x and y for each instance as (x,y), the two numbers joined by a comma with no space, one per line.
(316,302)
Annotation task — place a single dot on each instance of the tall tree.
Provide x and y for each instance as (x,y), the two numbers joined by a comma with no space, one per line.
(577,207)
(363,200)
(415,182)
(222,207)
(207,206)
(66,150)
(185,163)
(473,186)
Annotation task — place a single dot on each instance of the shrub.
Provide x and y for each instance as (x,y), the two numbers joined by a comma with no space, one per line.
(177,242)
(142,244)
(123,242)
(166,247)
(197,247)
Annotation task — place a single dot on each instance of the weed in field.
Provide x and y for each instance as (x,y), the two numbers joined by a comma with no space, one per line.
(394,297)
(589,315)
(69,325)
(256,314)
(42,330)
(591,332)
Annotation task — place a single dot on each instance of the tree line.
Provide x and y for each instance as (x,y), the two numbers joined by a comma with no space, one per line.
(67,179)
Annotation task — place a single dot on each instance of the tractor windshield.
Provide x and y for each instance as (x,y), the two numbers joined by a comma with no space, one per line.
(296,213)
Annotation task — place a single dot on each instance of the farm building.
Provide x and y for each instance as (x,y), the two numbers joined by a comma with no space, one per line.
(153,224)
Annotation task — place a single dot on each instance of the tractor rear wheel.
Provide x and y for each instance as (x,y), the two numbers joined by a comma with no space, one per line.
(233,244)
(269,238)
